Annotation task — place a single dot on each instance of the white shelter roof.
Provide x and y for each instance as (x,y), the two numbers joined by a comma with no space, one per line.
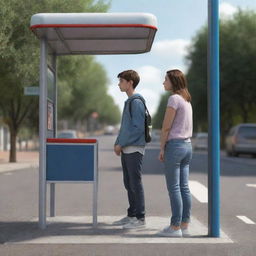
(95,33)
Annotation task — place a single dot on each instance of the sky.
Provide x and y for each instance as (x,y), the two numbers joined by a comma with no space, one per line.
(178,22)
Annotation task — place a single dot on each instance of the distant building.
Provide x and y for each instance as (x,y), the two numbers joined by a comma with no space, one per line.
(4,138)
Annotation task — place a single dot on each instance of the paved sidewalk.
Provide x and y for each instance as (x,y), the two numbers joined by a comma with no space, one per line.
(25,159)
(79,230)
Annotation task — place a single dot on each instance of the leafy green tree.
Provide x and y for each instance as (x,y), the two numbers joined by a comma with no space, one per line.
(87,91)
(237,72)
(159,116)
(197,79)
(19,54)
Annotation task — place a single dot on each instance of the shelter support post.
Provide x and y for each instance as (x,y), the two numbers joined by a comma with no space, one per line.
(42,134)
(95,187)
(52,199)
(213,120)
(52,185)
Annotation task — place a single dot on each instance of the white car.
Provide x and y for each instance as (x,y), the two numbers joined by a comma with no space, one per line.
(241,139)
(200,142)
(109,130)
(67,134)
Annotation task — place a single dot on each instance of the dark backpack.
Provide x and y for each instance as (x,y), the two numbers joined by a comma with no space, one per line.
(148,125)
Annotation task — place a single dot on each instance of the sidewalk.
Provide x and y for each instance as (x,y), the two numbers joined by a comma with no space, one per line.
(79,230)
(25,159)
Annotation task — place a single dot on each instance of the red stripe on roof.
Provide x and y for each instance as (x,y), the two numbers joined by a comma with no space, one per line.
(90,26)
(60,140)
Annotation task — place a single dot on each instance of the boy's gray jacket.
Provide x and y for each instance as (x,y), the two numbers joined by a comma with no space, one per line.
(132,130)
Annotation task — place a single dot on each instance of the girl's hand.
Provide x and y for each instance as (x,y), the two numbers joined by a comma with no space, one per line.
(161,156)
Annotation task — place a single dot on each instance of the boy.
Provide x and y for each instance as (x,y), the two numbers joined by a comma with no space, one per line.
(130,144)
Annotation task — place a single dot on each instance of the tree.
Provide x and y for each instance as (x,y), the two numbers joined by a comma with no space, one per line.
(237,72)
(197,79)
(19,54)
(159,116)
(85,91)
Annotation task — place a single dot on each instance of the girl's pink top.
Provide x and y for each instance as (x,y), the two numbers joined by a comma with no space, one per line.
(182,126)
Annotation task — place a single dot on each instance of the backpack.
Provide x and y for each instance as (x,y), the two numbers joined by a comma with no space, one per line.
(148,125)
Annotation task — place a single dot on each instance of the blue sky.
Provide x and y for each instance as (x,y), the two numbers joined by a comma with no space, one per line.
(178,23)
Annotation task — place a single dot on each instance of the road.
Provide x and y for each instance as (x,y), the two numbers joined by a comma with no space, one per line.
(19,204)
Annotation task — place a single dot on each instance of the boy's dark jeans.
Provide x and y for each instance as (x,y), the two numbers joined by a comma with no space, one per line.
(132,165)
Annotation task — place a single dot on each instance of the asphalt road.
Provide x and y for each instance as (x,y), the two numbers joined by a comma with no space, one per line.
(19,204)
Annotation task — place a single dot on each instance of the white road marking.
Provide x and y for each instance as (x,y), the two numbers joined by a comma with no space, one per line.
(199,191)
(245,219)
(251,185)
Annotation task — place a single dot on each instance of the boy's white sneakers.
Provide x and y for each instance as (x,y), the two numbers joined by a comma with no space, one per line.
(124,220)
(135,224)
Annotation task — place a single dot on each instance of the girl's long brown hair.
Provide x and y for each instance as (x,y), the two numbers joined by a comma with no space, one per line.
(179,83)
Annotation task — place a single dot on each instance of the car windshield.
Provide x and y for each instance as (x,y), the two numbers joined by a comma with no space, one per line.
(202,135)
(66,135)
(247,132)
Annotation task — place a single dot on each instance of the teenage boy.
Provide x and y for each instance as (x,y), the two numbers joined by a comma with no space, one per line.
(130,144)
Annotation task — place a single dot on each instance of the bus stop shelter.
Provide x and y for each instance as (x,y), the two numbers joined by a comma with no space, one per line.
(116,33)
(76,34)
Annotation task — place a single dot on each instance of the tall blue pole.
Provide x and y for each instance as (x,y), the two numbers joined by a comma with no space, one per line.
(213,120)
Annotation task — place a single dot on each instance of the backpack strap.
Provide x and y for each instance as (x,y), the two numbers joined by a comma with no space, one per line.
(130,105)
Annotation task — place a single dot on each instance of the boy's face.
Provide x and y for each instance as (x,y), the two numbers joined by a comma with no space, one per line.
(124,85)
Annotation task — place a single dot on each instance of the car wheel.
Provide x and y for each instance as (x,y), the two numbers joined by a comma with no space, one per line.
(235,154)
(229,153)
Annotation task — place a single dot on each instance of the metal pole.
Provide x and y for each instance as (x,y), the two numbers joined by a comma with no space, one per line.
(52,199)
(52,185)
(213,120)
(95,186)
(54,64)
(42,134)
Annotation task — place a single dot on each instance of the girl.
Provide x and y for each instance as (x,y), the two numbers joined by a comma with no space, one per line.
(176,152)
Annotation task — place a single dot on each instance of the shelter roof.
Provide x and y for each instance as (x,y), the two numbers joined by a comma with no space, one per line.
(95,33)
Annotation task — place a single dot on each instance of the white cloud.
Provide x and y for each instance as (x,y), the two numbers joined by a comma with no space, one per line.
(118,96)
(151,86)
(182,68)
(227,10)
(150,75)
(152,99)
(173,49)
(170,53)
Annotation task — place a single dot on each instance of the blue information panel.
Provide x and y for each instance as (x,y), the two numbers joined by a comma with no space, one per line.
(70,162)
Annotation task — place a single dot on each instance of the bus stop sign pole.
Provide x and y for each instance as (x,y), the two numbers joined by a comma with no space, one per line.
(213,120)
(42,133)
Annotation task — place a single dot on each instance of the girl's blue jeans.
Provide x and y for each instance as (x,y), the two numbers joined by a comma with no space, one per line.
(177,157)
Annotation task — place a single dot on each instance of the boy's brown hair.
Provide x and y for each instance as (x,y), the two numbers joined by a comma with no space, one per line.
(130,75)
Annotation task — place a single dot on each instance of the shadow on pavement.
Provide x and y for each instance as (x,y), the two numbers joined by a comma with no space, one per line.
(22,231)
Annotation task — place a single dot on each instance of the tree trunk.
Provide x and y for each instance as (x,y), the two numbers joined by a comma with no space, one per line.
(12,156)
(244,113)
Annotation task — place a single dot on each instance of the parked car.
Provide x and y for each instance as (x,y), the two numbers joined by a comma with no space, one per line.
(67,134)
(109,130)
(200,141)
(155,135)
(241,139)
